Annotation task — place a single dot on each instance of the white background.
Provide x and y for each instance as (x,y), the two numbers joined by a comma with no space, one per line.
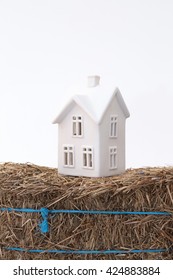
(48,45)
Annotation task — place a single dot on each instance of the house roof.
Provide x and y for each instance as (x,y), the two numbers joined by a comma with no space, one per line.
(94,101)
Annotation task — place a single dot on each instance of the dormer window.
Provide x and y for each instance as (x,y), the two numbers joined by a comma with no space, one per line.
(77,126)
(113,126)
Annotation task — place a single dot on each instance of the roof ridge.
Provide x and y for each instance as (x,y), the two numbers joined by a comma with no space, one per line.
(89,103)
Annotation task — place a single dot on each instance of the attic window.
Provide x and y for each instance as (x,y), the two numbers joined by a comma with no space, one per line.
(68,156)
(113,126)
(87,157)
(77,126)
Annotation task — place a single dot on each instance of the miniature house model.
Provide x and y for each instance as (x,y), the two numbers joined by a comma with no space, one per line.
(91,139)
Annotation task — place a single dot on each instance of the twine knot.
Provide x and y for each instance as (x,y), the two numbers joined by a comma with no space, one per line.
(44,227)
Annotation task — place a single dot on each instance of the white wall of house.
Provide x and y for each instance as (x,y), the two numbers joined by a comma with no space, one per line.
(90,138)
(95,136)
(118,142)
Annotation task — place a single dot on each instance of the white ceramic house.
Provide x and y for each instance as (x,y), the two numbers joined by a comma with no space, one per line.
(91,139)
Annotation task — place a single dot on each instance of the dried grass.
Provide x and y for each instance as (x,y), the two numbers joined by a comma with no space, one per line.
(32,186)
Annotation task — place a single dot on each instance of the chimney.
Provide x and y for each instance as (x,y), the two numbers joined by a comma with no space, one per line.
(93,81)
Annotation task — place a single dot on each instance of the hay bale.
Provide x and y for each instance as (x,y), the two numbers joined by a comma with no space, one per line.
(32,186)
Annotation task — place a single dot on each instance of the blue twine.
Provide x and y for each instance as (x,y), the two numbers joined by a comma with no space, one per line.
(108,212)
(44,227)
(87,251)
(103,212)
(26,210)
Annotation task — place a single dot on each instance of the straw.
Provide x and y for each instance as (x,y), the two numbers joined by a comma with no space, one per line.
(31,186)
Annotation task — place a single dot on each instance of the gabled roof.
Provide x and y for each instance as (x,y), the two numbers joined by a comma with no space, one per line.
(94,101)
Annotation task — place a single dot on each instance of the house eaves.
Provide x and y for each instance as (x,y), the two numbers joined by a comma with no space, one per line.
(94,105)
(81,101)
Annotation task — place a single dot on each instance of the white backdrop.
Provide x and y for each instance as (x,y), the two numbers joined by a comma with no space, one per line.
(48,45)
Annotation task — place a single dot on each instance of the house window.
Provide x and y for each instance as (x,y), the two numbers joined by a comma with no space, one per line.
(113,126)
(77,126)
(113,157)
(68,156)
(87,153)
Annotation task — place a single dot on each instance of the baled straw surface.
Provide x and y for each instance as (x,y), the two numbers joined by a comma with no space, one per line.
(32,186)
